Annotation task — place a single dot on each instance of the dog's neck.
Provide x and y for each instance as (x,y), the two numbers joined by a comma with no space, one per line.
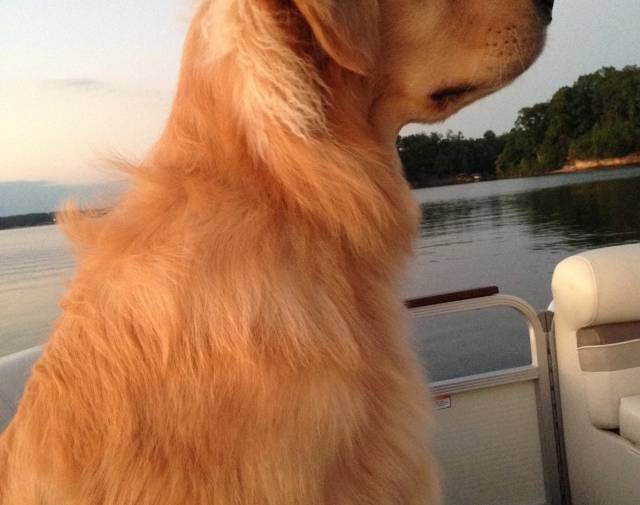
(339,178)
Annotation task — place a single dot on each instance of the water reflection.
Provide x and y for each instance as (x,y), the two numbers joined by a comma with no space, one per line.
(584,217)
(567,217)
(35,263)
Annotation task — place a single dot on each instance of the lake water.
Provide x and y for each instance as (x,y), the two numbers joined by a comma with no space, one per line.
(507,233)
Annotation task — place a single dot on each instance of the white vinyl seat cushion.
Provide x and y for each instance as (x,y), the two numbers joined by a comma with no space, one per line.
(599,287)
(630,418)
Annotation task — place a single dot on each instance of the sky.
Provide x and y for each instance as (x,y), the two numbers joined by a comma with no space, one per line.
(82,80)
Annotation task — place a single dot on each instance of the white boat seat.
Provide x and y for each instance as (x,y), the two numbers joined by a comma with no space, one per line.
(630,418)
(598,293)
(15,369)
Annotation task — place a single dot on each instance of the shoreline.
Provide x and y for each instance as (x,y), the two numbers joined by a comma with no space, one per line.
(27,220)
(48,218)
(597,164)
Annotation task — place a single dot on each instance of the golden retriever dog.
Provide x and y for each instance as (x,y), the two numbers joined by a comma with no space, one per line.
(234,334)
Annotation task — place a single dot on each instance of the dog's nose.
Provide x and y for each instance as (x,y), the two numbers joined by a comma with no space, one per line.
(546,8)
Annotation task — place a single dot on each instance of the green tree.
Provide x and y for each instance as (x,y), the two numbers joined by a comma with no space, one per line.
(597,117)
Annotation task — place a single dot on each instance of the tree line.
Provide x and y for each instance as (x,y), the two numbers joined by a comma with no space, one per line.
(598,117)
(25,220)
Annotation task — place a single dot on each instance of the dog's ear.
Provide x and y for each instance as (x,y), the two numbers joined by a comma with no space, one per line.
(347,30)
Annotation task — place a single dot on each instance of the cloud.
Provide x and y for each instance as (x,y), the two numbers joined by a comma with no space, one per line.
(80,85)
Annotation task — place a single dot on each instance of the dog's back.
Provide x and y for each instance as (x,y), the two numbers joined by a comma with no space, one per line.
(194,365)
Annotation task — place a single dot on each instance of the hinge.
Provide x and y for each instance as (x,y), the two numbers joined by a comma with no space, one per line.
(546,320)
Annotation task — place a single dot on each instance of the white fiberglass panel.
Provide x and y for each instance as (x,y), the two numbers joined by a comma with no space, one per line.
(488,446)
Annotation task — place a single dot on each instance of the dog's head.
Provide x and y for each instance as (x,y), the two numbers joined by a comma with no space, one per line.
(386,62)
(436,56)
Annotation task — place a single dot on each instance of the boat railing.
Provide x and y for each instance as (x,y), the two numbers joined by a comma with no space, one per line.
(541,372)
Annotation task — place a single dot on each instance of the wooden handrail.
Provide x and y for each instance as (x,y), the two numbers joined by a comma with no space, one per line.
(456,296)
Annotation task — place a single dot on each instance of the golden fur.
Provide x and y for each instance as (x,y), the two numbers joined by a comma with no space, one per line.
(234,333)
